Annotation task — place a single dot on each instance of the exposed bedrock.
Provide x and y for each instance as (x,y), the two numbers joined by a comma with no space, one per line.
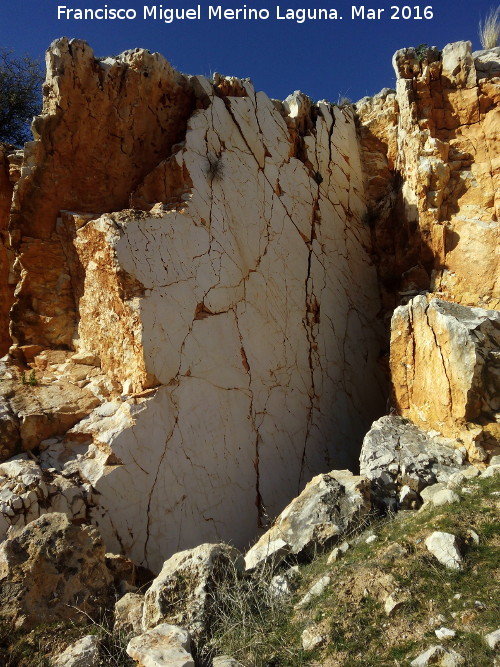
(432,167)
(192,269)
(233,307)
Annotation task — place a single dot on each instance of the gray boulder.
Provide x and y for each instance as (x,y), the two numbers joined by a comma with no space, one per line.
(329,505)
(396,453)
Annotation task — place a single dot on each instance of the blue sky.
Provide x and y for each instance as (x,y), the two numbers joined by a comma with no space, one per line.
(323,58)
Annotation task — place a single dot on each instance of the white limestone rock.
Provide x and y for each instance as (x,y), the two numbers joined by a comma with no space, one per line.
(160,646)
(395,601)
(185,591)
(329,505)
(128,613)
(316,589)
(445,497)
(285,584)
(27,491)
(444,633)
(487,62)
(429,492)
(444,546)
(491,471)
(458,65)
(337,553)
(438,655)
(312,638)
(83,653)
(493,639)
(247,297)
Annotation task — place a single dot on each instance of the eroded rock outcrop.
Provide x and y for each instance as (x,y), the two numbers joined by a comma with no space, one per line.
(196,302)
(327,508)
(445,369)
(233,311)
(53,570)
(430,153)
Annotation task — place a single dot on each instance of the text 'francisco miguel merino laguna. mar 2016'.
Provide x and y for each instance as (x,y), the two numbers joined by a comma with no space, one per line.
(218,12)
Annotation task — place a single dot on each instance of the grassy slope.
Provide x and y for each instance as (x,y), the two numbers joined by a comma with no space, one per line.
(350,612)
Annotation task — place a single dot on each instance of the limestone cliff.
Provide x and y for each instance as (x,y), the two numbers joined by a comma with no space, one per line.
(231,314)
(431,159)
(430,156)
(201,275)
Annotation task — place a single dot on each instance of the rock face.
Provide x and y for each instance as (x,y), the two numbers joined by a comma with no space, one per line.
(430,158)
(239,288)
(6,255)
(445,369)
(54,570)
(197,299)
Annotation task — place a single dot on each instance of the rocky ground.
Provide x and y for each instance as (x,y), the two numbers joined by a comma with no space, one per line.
(175,373)
(399,566)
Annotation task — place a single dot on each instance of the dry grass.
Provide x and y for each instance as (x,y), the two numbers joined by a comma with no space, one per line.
(251,623)
(489,31)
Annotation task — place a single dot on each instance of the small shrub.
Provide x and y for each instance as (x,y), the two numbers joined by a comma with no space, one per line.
(344,101)
(23,378)
(489,31)
(33,380)
(251,623)
(421,52)
(215,167)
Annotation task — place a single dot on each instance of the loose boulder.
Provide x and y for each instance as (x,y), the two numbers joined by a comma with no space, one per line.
(328,506)
(53,570)
(162,646)
(396,453)
(444,547)
(185,591)
(83,653)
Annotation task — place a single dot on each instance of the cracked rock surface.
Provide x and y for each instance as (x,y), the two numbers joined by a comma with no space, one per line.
(445,370)
(225,326)
(189,269)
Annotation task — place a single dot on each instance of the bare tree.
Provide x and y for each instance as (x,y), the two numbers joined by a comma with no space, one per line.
(20,96)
